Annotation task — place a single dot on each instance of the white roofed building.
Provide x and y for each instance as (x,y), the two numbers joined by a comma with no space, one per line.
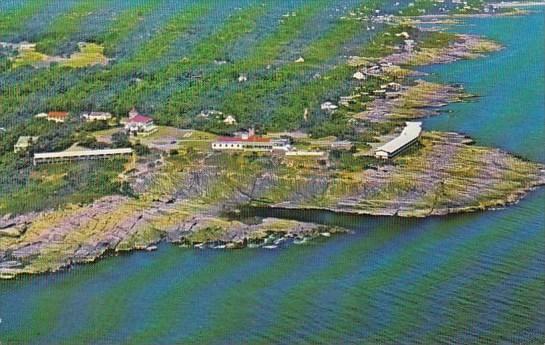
(67,156)
(24,143)
(96,116)
(408,137)
(250,142)
(230,120)
(359,76)
(328,106)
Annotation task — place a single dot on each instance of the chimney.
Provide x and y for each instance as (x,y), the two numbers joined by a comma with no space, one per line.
(251,132)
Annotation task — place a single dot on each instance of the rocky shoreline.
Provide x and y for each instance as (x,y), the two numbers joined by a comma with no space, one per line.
(54,240)
(464,47)
(449,175)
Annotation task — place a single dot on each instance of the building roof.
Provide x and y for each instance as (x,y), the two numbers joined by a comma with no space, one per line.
(411,132)
(140,119)
(57,114)
(341,143)
(251,139)
(25,140)
(230,119)
(99,113)
(88,153)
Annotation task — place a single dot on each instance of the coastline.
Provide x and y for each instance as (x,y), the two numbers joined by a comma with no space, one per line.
(201,227)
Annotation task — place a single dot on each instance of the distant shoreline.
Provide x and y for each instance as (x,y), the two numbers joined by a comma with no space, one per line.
(512,4)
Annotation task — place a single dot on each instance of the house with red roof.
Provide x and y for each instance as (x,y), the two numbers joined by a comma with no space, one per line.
(139,124)
(57,116)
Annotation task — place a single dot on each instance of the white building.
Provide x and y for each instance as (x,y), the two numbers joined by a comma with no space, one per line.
(250,142)
(205,114)
(242,78)
(305,154)
(359,76)
(138,124)
(22,46)
(24,143)
(409,45)
(408,137)
(96,116)
(230,120)
(328,106)
(68,156)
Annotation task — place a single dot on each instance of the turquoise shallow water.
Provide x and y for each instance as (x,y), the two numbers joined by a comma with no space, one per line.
(465,279)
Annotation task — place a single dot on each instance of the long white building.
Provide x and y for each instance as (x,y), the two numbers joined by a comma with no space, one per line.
(408,137)
(250,142)
(68,156)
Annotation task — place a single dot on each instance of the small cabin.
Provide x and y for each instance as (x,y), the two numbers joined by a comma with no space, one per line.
(24,143)
(230,120)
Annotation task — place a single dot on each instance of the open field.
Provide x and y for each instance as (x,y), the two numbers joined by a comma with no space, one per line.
(88,54)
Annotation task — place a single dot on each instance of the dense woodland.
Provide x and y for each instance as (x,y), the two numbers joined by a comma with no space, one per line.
(174,59)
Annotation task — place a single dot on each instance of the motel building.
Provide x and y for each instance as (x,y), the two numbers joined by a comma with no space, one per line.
(406,139)
(250,142)
(83,155)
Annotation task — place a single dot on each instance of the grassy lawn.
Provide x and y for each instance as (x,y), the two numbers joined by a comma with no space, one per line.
(169,137)
(90,54)
(105,135)
(29,58)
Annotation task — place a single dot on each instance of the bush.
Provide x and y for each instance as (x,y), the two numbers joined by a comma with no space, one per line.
(141,150)
(120,139)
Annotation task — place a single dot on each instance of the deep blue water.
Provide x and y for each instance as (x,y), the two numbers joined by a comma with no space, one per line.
(464,279)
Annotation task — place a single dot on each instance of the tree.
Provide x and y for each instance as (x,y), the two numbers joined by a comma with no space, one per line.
(120,139)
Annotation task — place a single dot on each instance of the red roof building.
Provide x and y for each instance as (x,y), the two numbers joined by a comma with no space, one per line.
(141,119)
(139,124)
(57,116)
(249,143)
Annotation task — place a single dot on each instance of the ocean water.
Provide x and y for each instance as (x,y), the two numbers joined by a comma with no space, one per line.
(462,279)
(510,110)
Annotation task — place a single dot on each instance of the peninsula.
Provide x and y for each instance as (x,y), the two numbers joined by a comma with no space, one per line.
(122,183)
